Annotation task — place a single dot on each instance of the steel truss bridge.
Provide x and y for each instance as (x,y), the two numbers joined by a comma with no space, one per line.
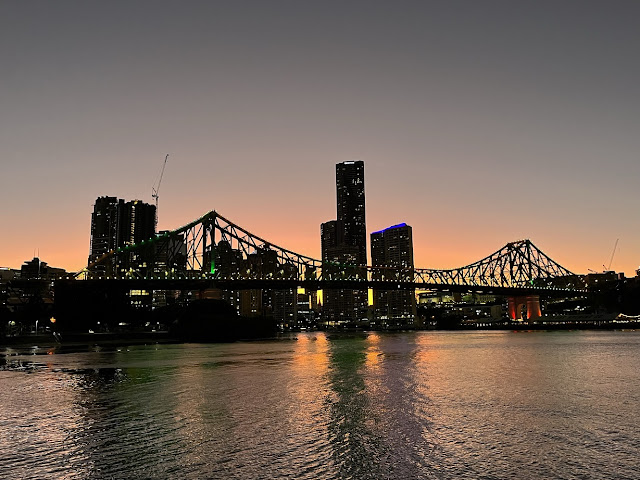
(212,250)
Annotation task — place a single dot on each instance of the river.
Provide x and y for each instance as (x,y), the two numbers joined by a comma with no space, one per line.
(419,405)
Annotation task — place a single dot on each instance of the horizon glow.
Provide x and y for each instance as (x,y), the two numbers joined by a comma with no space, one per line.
(475,129)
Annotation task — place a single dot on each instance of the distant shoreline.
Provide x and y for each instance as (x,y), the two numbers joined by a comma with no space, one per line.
(70,339)
(142,338)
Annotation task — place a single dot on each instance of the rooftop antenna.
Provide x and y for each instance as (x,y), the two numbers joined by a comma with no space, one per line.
(156,189)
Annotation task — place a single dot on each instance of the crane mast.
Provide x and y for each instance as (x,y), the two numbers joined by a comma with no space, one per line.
(156,189)
(613,254)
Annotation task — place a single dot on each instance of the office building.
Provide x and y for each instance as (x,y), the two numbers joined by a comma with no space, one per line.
(36,269)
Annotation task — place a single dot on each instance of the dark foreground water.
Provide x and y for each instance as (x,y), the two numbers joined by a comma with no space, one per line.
(408,406)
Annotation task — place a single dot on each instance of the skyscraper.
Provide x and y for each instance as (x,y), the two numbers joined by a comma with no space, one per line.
(331,234)
(115,223)
(339,305)
(344,242)
(139,222)
(350,201)
(393,247)
(106,226)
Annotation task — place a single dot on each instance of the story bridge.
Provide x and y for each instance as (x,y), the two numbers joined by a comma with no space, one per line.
(212,251)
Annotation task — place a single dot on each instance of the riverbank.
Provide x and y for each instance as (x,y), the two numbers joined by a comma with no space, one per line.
(71,339)
(165,337)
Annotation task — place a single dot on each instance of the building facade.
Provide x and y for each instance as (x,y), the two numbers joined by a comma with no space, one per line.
(344,242)
(106,226)
(350,201)
(37,269)
(116,223)
(139,222)
(393,248)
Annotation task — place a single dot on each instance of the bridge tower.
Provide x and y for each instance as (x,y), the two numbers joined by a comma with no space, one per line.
(517,304)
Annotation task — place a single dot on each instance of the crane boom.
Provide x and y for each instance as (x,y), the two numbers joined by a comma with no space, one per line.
(612,254)
(156,189)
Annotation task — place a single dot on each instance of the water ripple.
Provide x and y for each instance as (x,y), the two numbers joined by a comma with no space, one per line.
(418,405)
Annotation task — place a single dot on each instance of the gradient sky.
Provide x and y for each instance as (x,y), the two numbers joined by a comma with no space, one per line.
(479,122)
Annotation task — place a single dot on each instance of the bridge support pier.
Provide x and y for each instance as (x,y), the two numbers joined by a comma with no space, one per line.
(517,305)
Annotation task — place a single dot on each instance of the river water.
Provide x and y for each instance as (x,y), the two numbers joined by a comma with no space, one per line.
(476,405)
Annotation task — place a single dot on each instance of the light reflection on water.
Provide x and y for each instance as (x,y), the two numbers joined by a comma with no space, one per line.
(407,405)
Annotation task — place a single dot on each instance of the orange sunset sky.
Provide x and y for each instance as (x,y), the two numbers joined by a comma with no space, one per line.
(479,123)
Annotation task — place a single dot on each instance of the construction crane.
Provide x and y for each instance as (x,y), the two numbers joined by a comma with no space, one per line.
(156,189)
(606,268)
(612,255)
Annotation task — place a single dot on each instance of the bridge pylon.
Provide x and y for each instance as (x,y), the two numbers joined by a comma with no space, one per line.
(518,304)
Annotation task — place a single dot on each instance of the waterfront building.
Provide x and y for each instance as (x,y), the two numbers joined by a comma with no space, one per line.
(170,254)
(435,297)
(331,235)
(251,303)
(260,264)
(344,243)
(7,274)
(342,306)
(116,223)
(305,311)
(139,222)
(37,269)
(227,263)
(392,248)
(107,229)
(350,201)
(285,307)
(170,259)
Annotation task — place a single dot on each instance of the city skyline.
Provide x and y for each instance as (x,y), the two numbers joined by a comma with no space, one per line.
(479,124)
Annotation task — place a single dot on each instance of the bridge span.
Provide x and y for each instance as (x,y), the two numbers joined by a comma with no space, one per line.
(214,253)
(213,249)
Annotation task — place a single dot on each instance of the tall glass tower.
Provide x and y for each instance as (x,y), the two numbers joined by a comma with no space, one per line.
(393,247)
(344,241)
(115,223)
(351,203)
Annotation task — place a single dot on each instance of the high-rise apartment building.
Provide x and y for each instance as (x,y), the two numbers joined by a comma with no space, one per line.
(331,235)
(393,247)
(139,221)
(115,223)
(344,242)
(106,226)
(340,306)
(350,201)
